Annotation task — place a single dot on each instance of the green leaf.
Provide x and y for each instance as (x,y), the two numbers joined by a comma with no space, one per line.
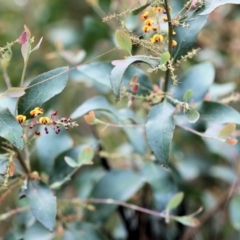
(213,112)
(120,68)
(211,5)
(198,78)
(135,137)
(119,185)
(48,152)
(13,92)
(83,231)
(37,232)
(70,162)
(159,130)
(10,129)
(234,209)
(42,203)
(98,73)
(175,201)
(192,115)
(48,85)
(227,130)
(186,38)
(187,220)
(187,95)
(124,41)
(140,9)
(165,57)
(86,156)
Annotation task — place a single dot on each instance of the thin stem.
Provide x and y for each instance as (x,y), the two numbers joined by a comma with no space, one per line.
(170,38)
(24,72)
(123,204)
(57,185)
(22,161)
(6,78)
(200,134)
(6,215)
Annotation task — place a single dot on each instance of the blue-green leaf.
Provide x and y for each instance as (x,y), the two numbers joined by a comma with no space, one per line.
(124,41)
(10,129)
(198,78)
(140,9)
(234,209)
(214,112)
(42,203)
(120,68)
(118,185)
(42,88)
(159,130)
(186,37)
(101,104)
(211,5)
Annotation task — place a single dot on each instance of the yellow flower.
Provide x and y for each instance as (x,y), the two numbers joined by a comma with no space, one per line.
(144,15)
(165,19)
(21,118)
(157,9)
(44,120)
(156,38)
(154,28)
(36,111)
(174,43)
(146,29)
(148,22)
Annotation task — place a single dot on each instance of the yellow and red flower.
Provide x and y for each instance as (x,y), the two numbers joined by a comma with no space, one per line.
(21,118)
(36,111)
(156,38)
(44,120)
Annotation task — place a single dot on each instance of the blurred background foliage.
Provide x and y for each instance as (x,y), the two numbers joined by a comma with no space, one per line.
(203,170)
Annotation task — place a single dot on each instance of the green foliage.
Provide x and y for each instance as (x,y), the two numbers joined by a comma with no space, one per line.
(42,203)
(159,130)
(10,129)
(127,172)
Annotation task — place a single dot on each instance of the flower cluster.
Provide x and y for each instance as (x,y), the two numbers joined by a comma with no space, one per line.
(51,122)
(152,22)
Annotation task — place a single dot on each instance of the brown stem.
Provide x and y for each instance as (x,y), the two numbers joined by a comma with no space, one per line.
(204,219)
(170,38)
(22,161)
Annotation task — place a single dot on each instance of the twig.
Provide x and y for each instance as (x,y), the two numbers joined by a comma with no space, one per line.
(22,161)
(123,204)
(200,134)
(6,215)
(6,78)
(170,38)
(203,220)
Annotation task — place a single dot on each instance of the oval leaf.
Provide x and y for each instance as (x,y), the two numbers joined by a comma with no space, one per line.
(186,37)
(118,185)
(120,68)
(188,221)
(227,130)
(42,203)
(192,115)
(175,201)
(86,156)
(234,209)
(165,57)
(10,129)
(42,88)
(70,162)
(211,5)
(213,112)
(199,78)
(187,95)
(124,41)
(159,130)
(13,92)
